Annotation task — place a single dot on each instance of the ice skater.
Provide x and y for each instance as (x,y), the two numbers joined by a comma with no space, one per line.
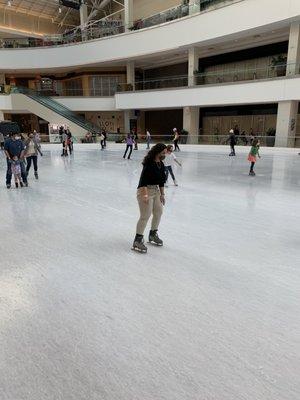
(151,197)
(254,152)
(16,171)
(32,149)
(232,142)
(148,139)
(64,139)
(102,141)
(136,139)
(14,147)
(69,141)
(129,145)
(169,161)
(176,139)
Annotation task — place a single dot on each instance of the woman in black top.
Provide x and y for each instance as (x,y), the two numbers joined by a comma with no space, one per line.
(151,197)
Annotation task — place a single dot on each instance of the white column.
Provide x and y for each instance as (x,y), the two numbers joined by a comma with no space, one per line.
(83,18)
(130,73)
(191,123)
(127,121)
(192,64)
(128,9)
(1,116)
(128,115)
(286,123)
(130,80)
(293,59)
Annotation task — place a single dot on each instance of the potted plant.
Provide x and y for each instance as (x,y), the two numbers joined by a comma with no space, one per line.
(278,63)
(270,141)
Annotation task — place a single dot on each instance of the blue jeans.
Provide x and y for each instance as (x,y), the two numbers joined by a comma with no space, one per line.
(169,170)
(35,165)
(9,173)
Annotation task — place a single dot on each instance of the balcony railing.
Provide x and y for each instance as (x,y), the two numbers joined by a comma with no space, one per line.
(105,27)
(214,78)
(178,12)
(109,89)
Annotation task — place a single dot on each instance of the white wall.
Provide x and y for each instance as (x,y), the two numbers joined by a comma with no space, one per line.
(234,21)
(254,92)
(73,103)
(88,103)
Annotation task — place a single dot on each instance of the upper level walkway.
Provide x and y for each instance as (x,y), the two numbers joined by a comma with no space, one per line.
(237,20)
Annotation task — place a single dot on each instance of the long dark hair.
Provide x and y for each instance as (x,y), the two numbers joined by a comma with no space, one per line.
(150,157)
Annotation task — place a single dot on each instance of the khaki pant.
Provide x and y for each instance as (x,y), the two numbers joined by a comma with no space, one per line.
(154,206)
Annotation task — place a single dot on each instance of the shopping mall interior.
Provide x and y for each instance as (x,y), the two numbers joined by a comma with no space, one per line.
(171,271)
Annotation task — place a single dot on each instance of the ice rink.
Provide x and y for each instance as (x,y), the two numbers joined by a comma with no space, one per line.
(213,315)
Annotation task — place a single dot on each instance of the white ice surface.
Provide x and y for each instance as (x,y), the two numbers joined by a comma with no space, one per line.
(213,315)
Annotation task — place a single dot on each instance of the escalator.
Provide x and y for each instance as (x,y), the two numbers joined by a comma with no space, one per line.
(58,108)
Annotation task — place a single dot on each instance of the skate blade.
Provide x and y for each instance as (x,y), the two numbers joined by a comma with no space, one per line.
(138,250)
(155,244)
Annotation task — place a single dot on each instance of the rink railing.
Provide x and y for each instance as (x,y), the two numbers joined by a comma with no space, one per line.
(265,140)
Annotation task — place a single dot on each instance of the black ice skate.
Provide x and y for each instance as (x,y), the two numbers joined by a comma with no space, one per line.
(36,175)
(154,239)
(138,244)
(17,185)
(21,184)
(252,173)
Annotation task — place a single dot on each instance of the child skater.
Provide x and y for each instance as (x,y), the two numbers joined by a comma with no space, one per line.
(16,171)
(252,155)
(169,161)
